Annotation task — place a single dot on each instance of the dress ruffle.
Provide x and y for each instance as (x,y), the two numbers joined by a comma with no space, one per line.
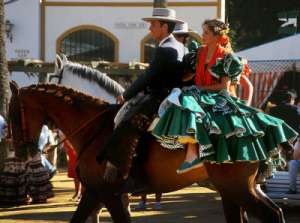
(224,127)
(13,182)
(39,186)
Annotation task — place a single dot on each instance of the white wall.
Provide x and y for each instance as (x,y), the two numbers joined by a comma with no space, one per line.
(59,19)
(25,15)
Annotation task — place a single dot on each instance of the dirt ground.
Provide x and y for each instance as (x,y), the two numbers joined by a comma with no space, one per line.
(189,205)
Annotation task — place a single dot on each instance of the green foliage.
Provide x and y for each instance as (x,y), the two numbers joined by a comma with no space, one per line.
(254,22)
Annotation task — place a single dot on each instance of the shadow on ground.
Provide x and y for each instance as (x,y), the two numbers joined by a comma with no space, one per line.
(190,205)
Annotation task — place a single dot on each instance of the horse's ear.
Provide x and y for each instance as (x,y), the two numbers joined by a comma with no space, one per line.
(58,63)
(14,88)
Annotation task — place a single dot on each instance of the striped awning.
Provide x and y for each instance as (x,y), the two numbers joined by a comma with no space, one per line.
(265,76)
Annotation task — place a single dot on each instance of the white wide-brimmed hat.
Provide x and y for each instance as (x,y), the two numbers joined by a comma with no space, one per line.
(182,28)
(163,14)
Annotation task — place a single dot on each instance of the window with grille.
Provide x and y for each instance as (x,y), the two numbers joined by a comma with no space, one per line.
(88,44)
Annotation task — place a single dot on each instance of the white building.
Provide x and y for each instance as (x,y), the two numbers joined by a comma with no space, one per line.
(93,29)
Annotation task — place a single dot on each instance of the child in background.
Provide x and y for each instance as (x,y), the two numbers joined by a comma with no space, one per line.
(72,163)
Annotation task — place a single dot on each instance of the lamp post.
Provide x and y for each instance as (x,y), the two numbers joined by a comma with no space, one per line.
(8,29)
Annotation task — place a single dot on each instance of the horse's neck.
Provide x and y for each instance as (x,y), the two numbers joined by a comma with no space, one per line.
(74,81)
(85,129)
(76,120)
(93,129)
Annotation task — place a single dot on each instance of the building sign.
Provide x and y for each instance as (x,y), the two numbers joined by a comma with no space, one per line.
(131,25)
(22,53)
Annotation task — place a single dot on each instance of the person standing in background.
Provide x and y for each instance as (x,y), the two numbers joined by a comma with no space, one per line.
(51,149)
(288,111)
(3,128)
(72,163)
(45,140)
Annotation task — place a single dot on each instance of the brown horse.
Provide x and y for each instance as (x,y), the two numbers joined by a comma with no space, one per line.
(88,122)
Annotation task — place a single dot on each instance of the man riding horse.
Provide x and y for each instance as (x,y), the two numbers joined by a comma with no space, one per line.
(145,95)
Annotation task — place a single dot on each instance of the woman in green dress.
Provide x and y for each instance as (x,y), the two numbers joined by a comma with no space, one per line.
(207,121)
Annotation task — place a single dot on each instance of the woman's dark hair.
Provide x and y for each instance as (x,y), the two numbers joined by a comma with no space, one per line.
(217,26)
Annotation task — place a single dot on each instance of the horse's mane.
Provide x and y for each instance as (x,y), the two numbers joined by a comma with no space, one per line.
(68,95)
(95,76)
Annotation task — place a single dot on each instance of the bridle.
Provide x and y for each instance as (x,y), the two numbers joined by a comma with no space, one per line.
(59,75)
(24,126)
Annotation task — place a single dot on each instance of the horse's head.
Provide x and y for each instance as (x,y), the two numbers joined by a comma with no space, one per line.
(77,115)
(22,110)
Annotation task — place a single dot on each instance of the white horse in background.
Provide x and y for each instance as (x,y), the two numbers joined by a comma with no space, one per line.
(85,79)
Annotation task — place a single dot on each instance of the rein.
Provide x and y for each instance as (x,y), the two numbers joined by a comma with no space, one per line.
(85,124)
(23,122)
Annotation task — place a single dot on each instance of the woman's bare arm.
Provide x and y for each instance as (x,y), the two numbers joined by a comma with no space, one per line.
(247,88)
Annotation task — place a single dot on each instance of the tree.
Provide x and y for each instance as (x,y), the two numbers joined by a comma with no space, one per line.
(4,78)
(254,22)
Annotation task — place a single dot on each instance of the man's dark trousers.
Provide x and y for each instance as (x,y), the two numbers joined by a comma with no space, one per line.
(120,148)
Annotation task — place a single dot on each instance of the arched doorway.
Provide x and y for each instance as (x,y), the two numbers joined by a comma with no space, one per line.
(87,43)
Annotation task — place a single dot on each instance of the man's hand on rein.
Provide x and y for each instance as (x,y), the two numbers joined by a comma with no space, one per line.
(120,99)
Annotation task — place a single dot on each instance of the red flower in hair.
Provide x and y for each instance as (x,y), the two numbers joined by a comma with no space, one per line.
(224,40)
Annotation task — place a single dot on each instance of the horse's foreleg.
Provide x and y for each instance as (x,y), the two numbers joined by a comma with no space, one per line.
(125,201)
(95,214)
(88,203)
(273,212)
(233,212)
(118,211)
(262,207)
(244,215)
(236,184)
